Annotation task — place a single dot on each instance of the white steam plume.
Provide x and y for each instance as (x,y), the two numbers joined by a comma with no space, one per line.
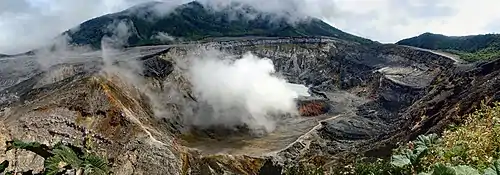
(121,31)
(163,37)
(59,51)
(241,91)
(291,10)
(112,53)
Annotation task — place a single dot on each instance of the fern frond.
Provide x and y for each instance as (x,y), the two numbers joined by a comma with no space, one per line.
(94,165)
(4,165)
(64,158)
(35,147)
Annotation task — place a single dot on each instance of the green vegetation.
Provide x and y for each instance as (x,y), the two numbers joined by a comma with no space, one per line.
(467,149)
(193,21)
(61,158)
(303,169)
(470,48)
(3,166)
(489,53)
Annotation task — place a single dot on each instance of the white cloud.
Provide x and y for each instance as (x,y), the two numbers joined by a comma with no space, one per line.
(294,10)
(392,20)
(26,24)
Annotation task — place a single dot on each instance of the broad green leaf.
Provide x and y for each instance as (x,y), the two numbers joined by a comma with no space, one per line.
(494,169)
(64,158)
(3,166)
(441,169)
(424,173)
(426,140)
(94,165)
(465,170)
(400,161)
(35,147)
(419,153)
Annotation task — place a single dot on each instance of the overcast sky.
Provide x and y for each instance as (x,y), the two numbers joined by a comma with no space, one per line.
(25,24)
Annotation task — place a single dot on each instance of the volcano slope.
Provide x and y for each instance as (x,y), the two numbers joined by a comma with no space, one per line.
(140,111)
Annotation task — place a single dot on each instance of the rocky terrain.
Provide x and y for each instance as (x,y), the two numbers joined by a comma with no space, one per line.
(364,99)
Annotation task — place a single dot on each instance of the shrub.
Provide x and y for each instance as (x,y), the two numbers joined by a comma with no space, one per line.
(62,158)
(304,169)
(467,149)
(475,142)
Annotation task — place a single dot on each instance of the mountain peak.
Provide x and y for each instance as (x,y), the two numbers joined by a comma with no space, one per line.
(195,21)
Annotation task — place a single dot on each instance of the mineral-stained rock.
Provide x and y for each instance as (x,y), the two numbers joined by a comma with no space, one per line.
(313,108)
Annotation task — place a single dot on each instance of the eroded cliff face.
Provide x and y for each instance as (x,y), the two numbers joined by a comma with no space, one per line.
(452,94)
(145,126)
